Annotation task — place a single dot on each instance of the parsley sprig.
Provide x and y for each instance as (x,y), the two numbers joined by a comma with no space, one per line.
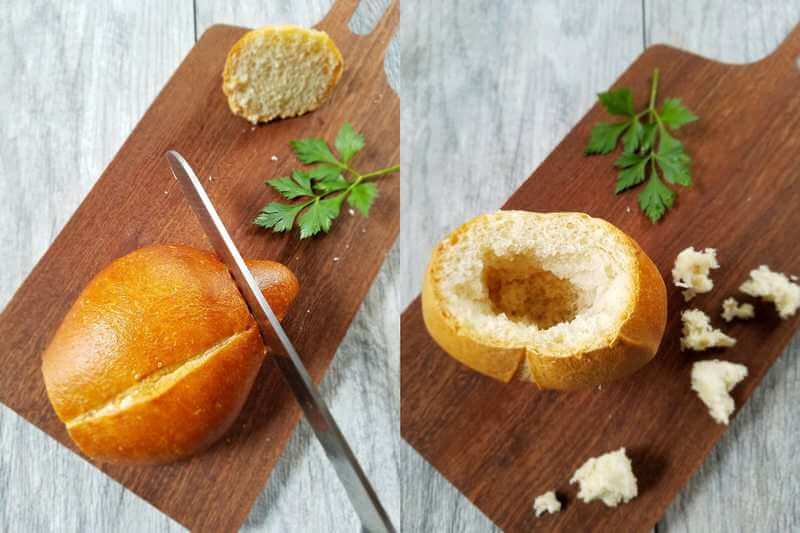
(322,188)
(647,147)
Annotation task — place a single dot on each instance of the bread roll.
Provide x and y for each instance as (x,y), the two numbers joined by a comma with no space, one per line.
(280,72)
(157,355)
(560,299)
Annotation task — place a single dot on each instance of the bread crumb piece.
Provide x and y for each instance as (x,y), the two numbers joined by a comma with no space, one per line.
(628,209)
(608,478)
(691,271)
(274,158)
(793,277)
(335,259)
(773,287)
(698,334)
(733,309)
(546,503)
(712,381)
(351,212)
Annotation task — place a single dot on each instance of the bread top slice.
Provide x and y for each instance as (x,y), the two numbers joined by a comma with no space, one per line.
(280,72)
(544,297)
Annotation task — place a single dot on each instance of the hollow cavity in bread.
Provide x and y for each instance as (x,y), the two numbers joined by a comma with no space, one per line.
(515,279)
(280,72)
(156,383)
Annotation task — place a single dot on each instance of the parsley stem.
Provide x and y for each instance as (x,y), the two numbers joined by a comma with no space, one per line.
(653,88)
(381,172)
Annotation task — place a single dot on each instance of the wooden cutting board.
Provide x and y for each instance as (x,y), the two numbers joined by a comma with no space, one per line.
(502,445)
(137,202)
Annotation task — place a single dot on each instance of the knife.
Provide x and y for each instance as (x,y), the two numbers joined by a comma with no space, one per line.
(373,516)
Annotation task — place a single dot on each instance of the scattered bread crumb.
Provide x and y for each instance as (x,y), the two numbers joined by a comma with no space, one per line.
(773,287)
(274,157)
(546,503)
(336,259)
(698,334)
(733,309)
(691,271)
(628,209)
(351,212)
(608,478)
(712,381)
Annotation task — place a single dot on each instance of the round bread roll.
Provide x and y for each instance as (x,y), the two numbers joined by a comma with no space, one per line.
(280,72)
(560,299)
(157,355)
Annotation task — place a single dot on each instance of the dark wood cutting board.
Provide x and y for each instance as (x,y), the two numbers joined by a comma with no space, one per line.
(502,445)
(137,202)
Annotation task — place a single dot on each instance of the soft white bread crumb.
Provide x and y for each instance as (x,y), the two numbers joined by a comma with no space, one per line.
(773,287)
(713,380)
(546,503)
(698,334)
(691,271)
(280,72)
(733,309)
(608,478)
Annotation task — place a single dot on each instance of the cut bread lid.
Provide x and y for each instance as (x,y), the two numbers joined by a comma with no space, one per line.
(280,72)
(536,286)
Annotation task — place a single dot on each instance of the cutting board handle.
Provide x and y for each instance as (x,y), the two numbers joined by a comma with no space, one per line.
(789,49)
(342,10)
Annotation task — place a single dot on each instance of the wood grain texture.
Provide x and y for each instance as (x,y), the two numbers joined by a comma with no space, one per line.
(373,329)
(777,386)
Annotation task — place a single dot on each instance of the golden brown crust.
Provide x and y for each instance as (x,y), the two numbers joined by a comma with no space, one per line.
(635,344)
(495,361)
(146,313)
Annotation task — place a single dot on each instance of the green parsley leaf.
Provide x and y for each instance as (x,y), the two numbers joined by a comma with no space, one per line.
(324,171)
(673,160)
(294,187)
(656,198)
(648,136)
(323,187)
(319,215)
(278,217)
(632,173)
(348,142)
(633,137)
(332,184)
(362,196)
(619,102)
(604,137)
(674,114)
(313,150)
(646,139)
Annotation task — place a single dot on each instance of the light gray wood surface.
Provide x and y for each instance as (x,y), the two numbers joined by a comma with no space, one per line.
(75,77)
(488,89)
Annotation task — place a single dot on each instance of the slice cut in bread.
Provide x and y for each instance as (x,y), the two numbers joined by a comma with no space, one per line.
(280,72)
(561,299)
